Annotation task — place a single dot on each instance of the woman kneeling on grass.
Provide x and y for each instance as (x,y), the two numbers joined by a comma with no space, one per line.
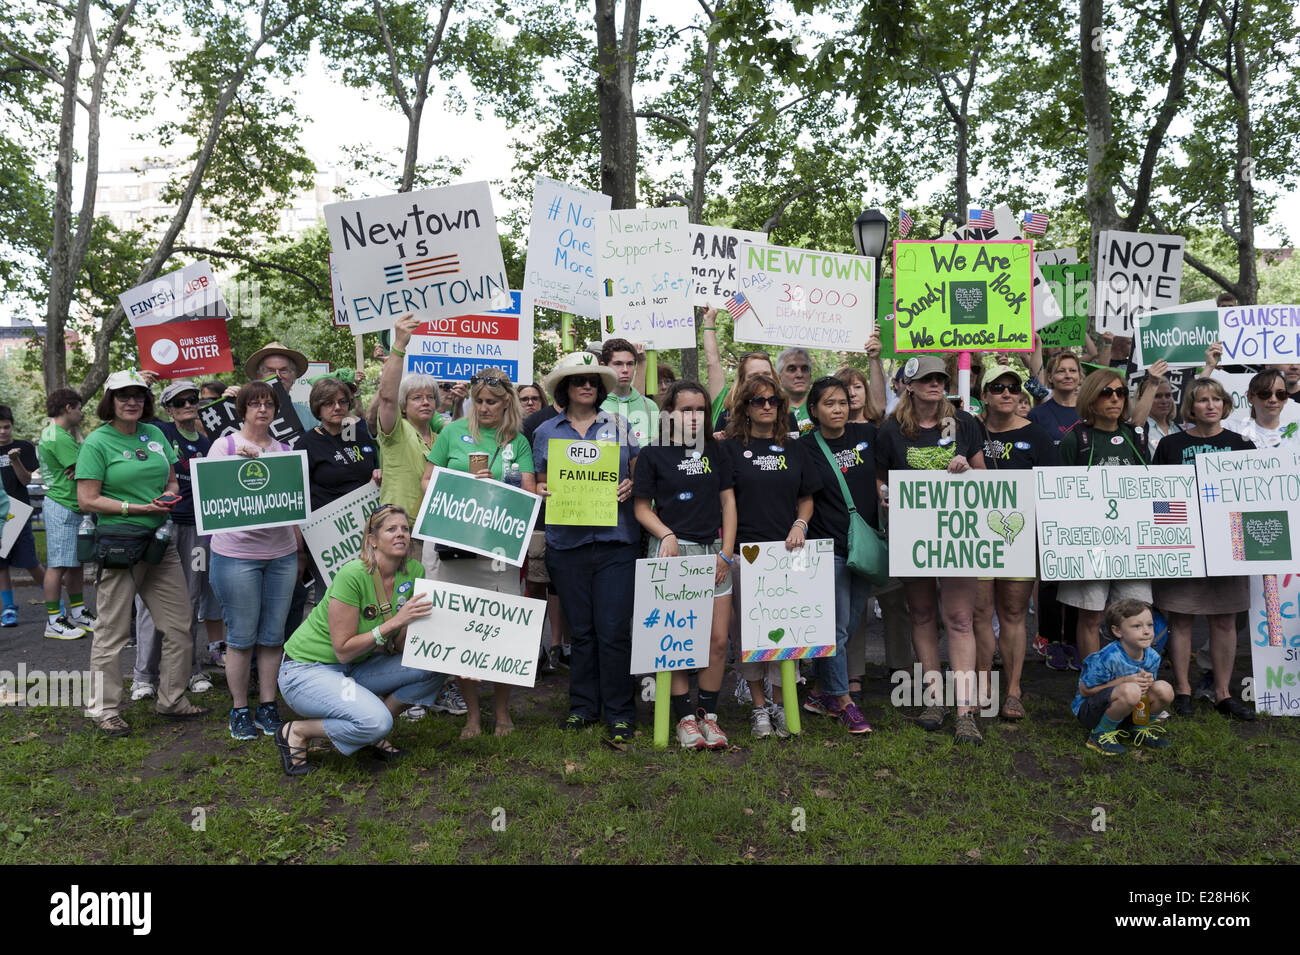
(342,669)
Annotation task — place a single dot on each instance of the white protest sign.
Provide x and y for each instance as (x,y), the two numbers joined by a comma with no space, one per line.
(715,262)
(301,390)
(1046,309)
(643,263)
(980,523)
(456,349)
(1056,256)
(1250,501)
(1118,523)
(1260,334)
(16,520)
(481,634)
(560,272)
(811,299)
(341,319)
(1137,273)
(672,617)
(1275,642)
(334,532)
(434,253)
(188,293)
(787,601)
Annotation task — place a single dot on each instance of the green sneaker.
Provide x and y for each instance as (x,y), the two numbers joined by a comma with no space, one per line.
(1107,744)
(1150,736)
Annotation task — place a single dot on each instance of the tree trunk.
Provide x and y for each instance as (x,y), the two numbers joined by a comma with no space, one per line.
(690,369)
(1247,270)
(616,72)
(1100,126)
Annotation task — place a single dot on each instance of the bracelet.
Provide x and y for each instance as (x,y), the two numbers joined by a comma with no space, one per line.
(126,509)
(801,521)
(668,535)
(396,351)
(708,328)
(729,560)
(379,637)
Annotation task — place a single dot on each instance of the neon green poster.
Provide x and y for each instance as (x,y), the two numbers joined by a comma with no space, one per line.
(582,477)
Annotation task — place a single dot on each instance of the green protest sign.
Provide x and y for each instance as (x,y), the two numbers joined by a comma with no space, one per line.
(479,515)
(1178,335)
(963,296)
(582,477)
(333,533)
(236,494)
(1070,288)
(885,320)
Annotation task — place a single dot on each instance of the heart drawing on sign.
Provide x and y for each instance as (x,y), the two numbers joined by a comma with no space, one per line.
(750,551)
(1265,532)
(1006,527)
(968,298)
(776,635)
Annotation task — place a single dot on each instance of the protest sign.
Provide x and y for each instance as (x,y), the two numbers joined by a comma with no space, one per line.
(1178,335)
(1260,334)
(180,323)
(1007,227)
(1118,523)
(560,271)
(219,418)
(715,262)
(978,524)
(1275,643)
(16,520)
(1238,388)
(962,296)
(1137,274)
(1046,257)
(672,616)
(1072,293)
(885,321)
(434,253)
(1250,501)
(333,533)
(810,299)
(787,601)
(182,295)
(582,478)
(456,349)
(643,265)
(235,494)
(477,514)
(341,319)
(300,393)
(480,634)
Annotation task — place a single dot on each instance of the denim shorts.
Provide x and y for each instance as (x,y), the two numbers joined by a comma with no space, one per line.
(690,549)
(60,534)
(255,596)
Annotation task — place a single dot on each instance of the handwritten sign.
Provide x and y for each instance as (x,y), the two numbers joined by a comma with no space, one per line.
(180,323)
(341,319)
(1178,335)
(1138,273)
(487,517)
(643,264)
(787,601)
(1257,334)
(333,533)
(715,262)
(673,613)
(456,349)
(1072,293)
(481,634)
(560,271)
(15,521)
(811,299)
(1118,523)
(1250,501)
(1046,257)
(434,253)
(582,477)
(1007,227)
(238,494)
(962,525)
(1275,643)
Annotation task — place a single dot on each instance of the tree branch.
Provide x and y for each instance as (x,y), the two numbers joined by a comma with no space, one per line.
(1204,268)
(757,123)
(398,92)
(664,117)
(323,294)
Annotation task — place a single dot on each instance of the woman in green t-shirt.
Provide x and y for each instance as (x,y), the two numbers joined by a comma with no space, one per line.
(342,669)
(490,429)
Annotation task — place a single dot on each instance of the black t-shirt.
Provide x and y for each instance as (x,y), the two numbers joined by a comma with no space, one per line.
(930,450)
(686,485)
(1182,447)
(15,488)
(535,421)
(770,476)
(183,513)
(336,467)
(1019,449)
(855,453)
(1055,419)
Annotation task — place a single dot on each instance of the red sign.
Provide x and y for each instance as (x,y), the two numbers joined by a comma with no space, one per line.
(184,349)
(491,325)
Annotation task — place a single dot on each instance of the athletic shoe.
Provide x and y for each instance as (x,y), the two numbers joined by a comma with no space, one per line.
(267,718)
(414,713)
(557,660)
(714,738)
(621,731)
(199,683)
(1058,657)
(776,712)
(822,704)
(82,618)
(217,652)
(1075,662)
(688,734)
(61,629)
(9,617)
(113,726)
(742,691)
(853,719)
(967,730)
(1205,689)
(932,718)
(575,722)
(450,701)
(1183,705)
(1149,737)
(760,723)
(1107,744)
(141,690)
(1231,706)
(1040,645)
(241,724)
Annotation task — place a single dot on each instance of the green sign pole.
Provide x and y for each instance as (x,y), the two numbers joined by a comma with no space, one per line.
(566,333)
(790,690)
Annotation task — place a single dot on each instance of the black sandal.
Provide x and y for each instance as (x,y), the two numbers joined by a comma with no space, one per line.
(390,755)
(292,758)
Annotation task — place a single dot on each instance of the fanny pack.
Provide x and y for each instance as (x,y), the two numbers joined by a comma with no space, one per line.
(118,551)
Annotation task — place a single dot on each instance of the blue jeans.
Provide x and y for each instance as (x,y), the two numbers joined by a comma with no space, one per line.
(851,593)
(596,583)
(254,597)
(349,697)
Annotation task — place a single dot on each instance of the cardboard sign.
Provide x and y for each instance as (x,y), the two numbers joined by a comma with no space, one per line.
(333,533)
(238,493)
(1118,523)
(456,349)
(481,634)
(672,617)
(1275,643)
(1260,334)
(187,349)
(219,418)
(477,514)
(341,319)
(963,296)
(582,477)
(805,298)
(1137,274)
(182,295)
(1046,257)
(978,524)
(643,263)
(715,262)
(1178,335)
(787,601)
(434,253)
(560,271)
(16,520)
(1250,502)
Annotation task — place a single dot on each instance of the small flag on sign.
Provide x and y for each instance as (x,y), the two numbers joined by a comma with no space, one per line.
(1035,223)
(983,218)
(1169,512)
(905,224)
(738,305)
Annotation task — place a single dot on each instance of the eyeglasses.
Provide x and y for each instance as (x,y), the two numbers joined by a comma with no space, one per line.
(764,401)
(182,402)
(1280,394)
(345,402)
(1112,392)
(998,388)
(529,400)
(491,382)
(260,405)
(589,381)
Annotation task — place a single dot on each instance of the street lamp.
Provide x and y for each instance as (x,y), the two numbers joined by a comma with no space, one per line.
(871,234)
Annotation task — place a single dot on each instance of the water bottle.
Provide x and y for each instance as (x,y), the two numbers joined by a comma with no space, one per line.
(514,477)
(158,545)
(86,539)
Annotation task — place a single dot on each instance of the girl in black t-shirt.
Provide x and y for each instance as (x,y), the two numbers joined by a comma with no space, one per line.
(683,495)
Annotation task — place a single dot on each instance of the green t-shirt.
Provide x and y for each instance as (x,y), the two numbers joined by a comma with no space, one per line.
(353,586)
(129,467)
(403,456)
(641,413)
(57,450)
(719,403)
(455,445)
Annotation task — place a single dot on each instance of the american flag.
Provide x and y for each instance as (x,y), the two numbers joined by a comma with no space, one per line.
(905,224)
(737,305)
(1169,512)
(1035,223)
(983,218)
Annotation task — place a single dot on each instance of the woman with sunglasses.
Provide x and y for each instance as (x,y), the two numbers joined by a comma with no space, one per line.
(683,495)
(774,483)
(1011,443)
(342,455)
(721,396)
(1268,399)
(490,431)
(928,433)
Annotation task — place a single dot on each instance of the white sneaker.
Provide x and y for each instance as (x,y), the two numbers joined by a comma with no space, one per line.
(141,690)
(760,723)
(776,711)
(688,734)
(61,629)
(714,738)
(414,713)
(82,618)
(742,691)
(199,683)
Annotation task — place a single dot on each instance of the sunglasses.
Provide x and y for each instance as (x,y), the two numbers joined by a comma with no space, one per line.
(182,402)
(931,379)
(1280,394)
(590,381)
(767,401)
(998,388)
(1112,392)
(491,382)
(131,396)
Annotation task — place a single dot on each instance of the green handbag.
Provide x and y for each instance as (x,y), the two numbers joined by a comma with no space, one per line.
(868,555)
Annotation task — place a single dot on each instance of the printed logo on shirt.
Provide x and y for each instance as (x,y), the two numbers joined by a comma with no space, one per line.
(507,454)
(999,450)
(770,462)
(849,457)
(695,466)
(930,459)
